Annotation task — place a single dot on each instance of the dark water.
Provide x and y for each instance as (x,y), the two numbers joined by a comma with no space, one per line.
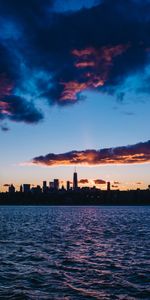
(74,253)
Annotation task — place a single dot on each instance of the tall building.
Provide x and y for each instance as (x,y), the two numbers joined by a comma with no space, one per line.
(44,186)
(56,184)
(36,190)
(11,189)
(108,186)
(75,180)
(51,184)
(68,185)
(26,188)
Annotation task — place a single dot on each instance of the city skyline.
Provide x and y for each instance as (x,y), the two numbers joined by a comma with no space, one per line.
(74,90)
(56,185)
(73,184)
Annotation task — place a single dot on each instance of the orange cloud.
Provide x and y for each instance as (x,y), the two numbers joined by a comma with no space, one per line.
(83,181)
(84,52)
(99,181)
(4,107)
(114,186)
(133,154)
(99,63)
(85,64)
(71,90)
(5,86)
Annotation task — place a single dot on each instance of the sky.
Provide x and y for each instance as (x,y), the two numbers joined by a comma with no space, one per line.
(74,91)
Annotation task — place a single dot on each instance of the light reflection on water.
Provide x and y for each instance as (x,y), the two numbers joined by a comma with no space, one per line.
(74,253)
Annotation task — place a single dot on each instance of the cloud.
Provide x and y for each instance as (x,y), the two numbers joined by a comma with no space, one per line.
(99,181)
(115,186)
(18,109)
(132,154)
(71,5)
(95,65)
(4,128)
(6,185)
(83,181)
(117,182)
(56,56)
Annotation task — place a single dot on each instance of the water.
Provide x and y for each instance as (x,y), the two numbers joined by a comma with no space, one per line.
(74,253)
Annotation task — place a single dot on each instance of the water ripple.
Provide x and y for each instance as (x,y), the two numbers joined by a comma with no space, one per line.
(71,253)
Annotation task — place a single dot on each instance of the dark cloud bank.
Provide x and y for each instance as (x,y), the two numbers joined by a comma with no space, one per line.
(52,56)
(132,154)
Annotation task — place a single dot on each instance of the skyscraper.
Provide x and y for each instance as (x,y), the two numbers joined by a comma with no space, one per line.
(108,186)
(56,184)
(51,185)
(11,189)
(26,188)
(44,186)
(68,185)
(75,180)
(21,188)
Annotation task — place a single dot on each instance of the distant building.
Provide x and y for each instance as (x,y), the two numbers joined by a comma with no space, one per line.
(94,188)
(85,188)
(75,180)
(44,187)
(11,189)
(51,184)
(21,188)
(108,186)
(26,188)
(68,185)
(36,190)
(56,184)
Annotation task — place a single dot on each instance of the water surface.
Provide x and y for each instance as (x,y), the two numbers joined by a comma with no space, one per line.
(74,253)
